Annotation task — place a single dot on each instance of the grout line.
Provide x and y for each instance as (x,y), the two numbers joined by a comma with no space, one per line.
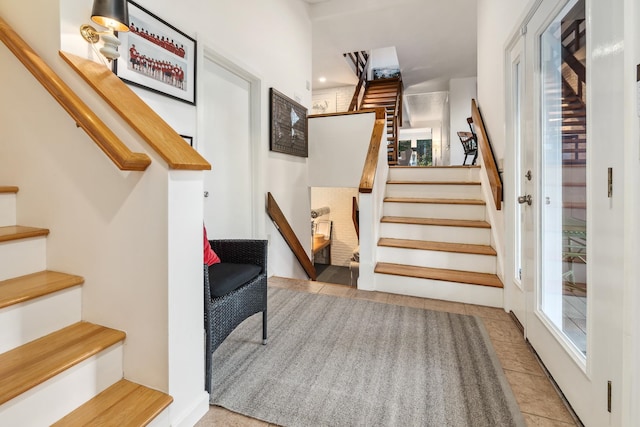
(555,386)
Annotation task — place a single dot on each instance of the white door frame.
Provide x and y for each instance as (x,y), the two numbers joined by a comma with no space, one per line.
(584,385)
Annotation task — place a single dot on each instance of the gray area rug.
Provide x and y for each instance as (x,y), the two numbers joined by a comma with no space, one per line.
(341,362)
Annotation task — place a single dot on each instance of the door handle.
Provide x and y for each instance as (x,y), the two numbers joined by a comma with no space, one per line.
(525,199)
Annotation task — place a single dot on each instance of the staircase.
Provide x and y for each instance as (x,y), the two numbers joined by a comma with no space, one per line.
(386,93)
(435,241)
(54,367)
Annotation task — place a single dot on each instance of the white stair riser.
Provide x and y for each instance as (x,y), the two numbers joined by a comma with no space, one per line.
(434,233)
(161,420)
(447,191)
(56,397)
(434,174)
(21,257)
(438,259)
(7,209)
(441,290)
(434,210)
(33,319)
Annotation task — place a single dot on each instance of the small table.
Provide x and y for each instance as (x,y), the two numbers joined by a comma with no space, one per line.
(321,244)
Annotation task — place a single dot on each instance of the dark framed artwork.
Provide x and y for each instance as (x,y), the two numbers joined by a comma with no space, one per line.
(288,126)
(157,56)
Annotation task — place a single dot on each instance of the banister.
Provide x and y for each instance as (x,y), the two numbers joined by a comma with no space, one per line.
(133,110)
(487,155)
(281,223)
(371,161)
(84,117)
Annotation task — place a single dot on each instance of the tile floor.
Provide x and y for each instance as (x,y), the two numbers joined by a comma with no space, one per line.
(538,400)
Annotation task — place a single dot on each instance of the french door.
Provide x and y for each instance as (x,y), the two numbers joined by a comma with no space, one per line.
(555,217)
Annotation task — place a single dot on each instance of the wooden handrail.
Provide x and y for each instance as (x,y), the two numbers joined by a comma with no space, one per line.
(281,223)
(371,161)
(149,125)
(487,155)
(355,215)
(361,72)
(72,104)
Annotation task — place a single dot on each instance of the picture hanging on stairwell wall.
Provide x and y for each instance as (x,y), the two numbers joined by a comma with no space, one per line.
(157,56)
(288,125)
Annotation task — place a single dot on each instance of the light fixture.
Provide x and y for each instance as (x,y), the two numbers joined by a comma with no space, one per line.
(112,14)
(322,79)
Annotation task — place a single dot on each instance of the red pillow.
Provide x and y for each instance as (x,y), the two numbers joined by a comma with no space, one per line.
(210,257)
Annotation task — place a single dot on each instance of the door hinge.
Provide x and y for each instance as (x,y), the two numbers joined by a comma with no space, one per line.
(519,274)
(609,396)
(610,182)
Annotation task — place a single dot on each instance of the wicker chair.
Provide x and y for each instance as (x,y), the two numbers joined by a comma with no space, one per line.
(223,314)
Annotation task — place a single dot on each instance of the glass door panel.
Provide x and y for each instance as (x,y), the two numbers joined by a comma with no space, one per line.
(563,220)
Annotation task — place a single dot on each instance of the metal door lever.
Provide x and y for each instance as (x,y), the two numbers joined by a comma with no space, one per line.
(525,199)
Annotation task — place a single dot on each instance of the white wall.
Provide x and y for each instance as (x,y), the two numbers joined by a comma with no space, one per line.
(332,100)
(496,22)
(337,149)
(385,57)
(461,91)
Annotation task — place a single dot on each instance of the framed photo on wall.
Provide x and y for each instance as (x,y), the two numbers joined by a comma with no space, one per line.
(288,125)
(157,56)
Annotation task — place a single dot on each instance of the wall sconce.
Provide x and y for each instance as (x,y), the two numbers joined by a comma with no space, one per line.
(112,14)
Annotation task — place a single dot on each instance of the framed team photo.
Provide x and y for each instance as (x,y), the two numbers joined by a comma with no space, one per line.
(156,56)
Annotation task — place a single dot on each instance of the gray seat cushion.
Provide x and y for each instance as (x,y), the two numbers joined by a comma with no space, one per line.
(226,277)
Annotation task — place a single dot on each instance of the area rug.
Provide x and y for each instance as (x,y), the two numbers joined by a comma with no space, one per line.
(334,361)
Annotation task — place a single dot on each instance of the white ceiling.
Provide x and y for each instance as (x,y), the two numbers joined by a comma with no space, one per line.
(435,41)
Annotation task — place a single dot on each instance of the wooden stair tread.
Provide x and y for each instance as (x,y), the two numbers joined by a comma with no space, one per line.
(441,167)
(8,189)
(37,361)
(436,221)
(25,288)
(467,277)
(123,404)
(17,232)
(461,248)
(434,201)
(434,182)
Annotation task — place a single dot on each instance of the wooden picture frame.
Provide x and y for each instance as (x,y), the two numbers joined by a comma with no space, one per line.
(157,56)
(288,125)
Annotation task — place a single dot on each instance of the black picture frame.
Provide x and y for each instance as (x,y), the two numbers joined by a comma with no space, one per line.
(288,125)
(157,56)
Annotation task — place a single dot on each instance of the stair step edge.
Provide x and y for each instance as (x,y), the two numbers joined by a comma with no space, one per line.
(8,189)
(399,182)
(467,223)
(35,362)
(18,232)
(435,201)
(35,285)
(461,248)
(124,403)
(457,276)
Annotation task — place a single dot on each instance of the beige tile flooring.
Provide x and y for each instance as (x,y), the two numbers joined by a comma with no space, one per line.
(538,400)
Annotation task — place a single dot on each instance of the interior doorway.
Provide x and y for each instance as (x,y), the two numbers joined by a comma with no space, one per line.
(229,129)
